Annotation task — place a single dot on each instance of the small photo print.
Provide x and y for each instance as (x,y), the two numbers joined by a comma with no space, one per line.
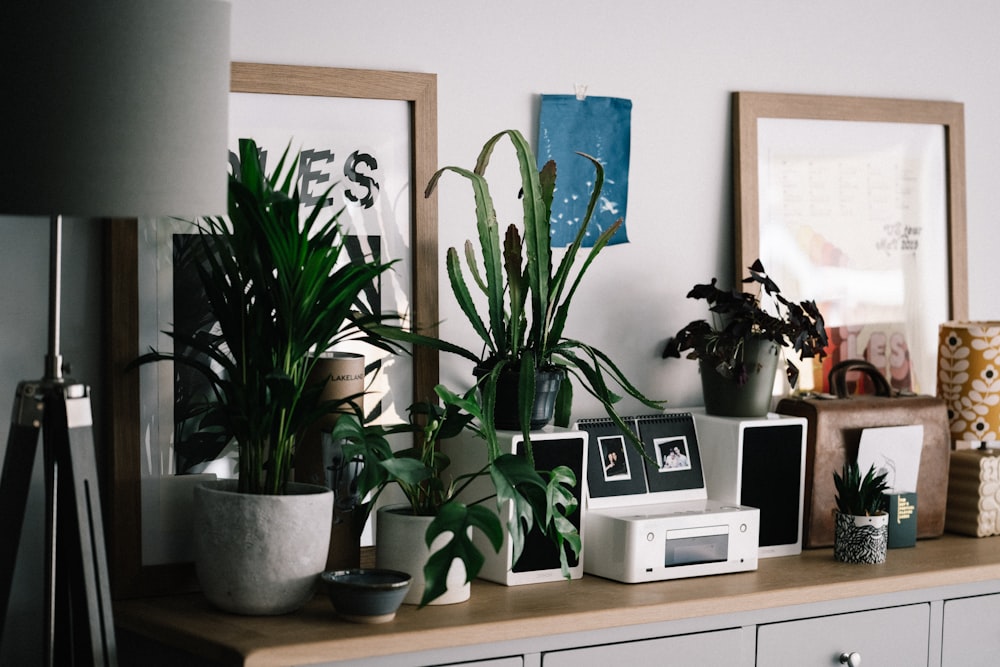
(672,454)
(613,459)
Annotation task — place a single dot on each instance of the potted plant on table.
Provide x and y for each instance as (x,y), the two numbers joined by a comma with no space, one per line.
(527,298)
(433,530)
(738,351)
(279,292)
(861,524)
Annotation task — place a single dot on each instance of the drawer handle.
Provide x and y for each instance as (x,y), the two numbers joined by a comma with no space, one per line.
(853,659)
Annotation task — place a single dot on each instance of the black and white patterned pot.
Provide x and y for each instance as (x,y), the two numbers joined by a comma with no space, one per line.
(860,539)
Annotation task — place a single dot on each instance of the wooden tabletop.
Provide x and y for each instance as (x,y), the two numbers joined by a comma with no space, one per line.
(498,613)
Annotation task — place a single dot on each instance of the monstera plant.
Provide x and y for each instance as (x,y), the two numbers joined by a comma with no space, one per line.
(539,498)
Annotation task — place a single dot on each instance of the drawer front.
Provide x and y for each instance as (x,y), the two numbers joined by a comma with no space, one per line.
(706,649)
(970,635)
(885,637)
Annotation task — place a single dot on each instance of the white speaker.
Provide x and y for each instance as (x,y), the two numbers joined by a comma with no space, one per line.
(551,447)
(759,462)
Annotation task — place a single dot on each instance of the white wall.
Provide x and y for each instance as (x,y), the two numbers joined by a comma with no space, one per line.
(678,61)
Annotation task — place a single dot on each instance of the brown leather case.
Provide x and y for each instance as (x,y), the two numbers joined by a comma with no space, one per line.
(834,432)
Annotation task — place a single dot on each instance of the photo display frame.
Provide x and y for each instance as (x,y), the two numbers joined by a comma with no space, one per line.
(668,469)
(286,94)
(859,204)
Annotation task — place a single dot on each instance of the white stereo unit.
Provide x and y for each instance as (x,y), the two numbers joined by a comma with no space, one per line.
(539,560)
(671,540)
(649,516)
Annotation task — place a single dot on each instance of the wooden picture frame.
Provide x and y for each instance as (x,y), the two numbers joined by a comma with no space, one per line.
(130,576)
(822,131)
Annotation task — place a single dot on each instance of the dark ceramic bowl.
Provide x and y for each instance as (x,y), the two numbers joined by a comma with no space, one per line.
(366,595)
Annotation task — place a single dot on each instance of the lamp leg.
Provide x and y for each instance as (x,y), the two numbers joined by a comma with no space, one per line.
(79,627)
(81,559)
(15,483)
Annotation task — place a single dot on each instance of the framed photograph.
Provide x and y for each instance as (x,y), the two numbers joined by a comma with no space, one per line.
(371,134)
(673,460)
(614,462)
(672,454)
(614,465)
(858,204)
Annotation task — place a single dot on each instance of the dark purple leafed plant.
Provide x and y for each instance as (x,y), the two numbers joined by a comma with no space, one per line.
(738,317)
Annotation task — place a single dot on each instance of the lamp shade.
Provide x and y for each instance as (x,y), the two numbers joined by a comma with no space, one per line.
(969,380)
(115,107)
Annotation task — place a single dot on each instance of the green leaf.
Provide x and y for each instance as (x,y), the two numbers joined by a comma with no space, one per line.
(561,503)
(456,519)
(406,470)
(508,473)
(489,241)
(465,300)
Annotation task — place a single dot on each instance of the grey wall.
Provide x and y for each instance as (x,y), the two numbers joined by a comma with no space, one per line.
(677,61)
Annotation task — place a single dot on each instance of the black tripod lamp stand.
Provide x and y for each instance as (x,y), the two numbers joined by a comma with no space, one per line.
(117,108)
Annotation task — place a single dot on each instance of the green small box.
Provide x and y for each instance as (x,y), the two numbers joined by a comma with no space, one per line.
(902,519)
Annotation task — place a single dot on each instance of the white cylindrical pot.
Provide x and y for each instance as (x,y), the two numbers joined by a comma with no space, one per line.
(400,545)
(260,554)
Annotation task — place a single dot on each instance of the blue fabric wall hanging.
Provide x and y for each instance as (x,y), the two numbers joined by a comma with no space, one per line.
(598,126)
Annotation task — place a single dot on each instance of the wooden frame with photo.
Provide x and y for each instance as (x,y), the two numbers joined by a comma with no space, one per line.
(859,204)
(131,576)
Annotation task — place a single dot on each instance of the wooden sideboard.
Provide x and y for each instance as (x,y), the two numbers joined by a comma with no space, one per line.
(578,622)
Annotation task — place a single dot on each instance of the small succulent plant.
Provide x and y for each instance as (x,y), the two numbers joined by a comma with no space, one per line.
(857,495)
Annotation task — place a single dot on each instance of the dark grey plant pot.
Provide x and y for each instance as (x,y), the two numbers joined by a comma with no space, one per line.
(860,539)
(505,412)
(724,397)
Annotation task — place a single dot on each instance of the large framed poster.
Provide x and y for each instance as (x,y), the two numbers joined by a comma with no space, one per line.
(858,204)
(373,135)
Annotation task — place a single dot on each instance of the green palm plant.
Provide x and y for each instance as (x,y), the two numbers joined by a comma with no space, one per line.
(280,289)
(527,294)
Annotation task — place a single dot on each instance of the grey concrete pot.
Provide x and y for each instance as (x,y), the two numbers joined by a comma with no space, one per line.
(260,554)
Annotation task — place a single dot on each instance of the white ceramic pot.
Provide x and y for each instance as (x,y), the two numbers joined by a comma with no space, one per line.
(400,545)
(260,554)
(860,539)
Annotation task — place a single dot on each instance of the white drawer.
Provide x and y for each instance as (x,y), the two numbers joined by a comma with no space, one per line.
(970,638)
(897,636)
(705,649)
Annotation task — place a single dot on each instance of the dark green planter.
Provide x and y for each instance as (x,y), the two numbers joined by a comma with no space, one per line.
(725,398)
(505,413)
